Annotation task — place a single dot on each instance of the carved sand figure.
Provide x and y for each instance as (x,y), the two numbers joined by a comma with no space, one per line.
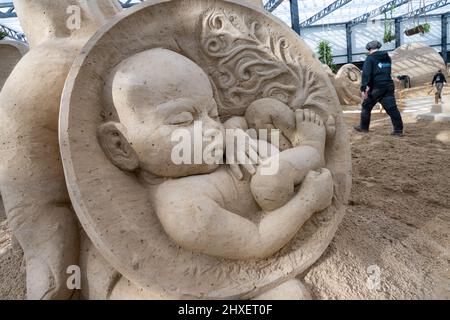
(160,230)
(198,210)
(10,53)
(346,82)
(419,61)
(32,180)
(349,76)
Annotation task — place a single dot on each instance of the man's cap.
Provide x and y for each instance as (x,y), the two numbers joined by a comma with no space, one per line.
(372,45)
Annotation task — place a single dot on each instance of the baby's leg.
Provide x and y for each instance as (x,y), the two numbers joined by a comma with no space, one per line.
(273,189)
(268,114)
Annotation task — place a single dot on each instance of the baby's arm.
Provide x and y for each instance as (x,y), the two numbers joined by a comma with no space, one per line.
(275,181)
(272,188)
(201,224)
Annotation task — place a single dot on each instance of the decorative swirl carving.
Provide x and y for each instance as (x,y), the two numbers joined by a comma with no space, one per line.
(251,63)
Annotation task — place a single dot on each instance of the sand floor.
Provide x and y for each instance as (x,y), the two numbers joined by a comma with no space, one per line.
(398,220)
(394,241)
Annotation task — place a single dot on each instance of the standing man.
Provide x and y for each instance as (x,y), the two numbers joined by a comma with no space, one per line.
(378,87)
(406,81)
(439,80)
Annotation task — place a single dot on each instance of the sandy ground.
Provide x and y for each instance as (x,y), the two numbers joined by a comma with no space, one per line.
(12,269)
(394,241)
(397,224)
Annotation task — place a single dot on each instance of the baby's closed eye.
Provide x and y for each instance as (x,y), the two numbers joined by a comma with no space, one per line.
(180,118)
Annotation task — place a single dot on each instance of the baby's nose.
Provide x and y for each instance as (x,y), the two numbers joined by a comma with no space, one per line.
(211,127)
(209,122)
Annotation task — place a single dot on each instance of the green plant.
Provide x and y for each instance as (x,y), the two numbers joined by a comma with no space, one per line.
(325,53)
(388,37)
(421,28)
(426,27)
(388,26)
(2,35)
(388,34)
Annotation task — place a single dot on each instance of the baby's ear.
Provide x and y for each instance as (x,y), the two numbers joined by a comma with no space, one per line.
(116,147)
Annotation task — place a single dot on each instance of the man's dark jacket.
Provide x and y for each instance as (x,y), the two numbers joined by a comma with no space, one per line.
(439,78)
(376,71)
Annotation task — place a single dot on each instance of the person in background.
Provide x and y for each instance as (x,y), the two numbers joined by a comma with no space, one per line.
(438,81)
(406,81)
(377,86)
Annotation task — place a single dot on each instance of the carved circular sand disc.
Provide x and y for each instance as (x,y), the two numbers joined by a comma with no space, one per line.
(10,52)
(114,208)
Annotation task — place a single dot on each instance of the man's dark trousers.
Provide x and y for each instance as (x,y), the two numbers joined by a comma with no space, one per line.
(385,96)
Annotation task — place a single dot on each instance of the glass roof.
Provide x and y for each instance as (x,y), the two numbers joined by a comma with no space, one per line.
(354,9)
(307,8)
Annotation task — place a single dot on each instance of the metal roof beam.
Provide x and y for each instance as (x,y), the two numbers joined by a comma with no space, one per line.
(13,34)
(127,3)
(9,13)
(342,24)
(272,5)
(383,9)
(427,8)
(324,12)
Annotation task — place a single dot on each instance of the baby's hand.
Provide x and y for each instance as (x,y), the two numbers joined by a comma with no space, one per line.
(242,152)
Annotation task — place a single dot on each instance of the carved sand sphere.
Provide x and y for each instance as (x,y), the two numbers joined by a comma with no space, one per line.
(206,232)
(347,83)
(10,54)
(32,179)
(349,79)
(418,61)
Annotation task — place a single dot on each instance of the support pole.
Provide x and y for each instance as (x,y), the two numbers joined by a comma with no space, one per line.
(294,16)
(444,24)
(348,32)
(398,32)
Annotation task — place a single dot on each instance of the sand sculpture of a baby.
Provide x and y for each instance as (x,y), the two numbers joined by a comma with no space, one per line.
(211,208)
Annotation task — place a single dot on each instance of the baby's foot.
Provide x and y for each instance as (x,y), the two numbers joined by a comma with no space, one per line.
(317,188)
(272,114)
(311,130)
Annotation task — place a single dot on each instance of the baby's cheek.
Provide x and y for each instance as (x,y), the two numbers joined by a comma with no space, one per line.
(164,132)
(156,147)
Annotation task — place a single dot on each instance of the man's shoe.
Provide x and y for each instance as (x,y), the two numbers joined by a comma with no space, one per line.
(359,129)
(397,134)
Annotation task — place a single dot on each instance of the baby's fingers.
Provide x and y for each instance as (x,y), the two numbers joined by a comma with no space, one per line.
(250,168)
(254,156)
(236,171)
(246,162)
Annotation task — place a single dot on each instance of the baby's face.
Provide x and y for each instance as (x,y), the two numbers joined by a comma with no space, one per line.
(158,94)
(159,126)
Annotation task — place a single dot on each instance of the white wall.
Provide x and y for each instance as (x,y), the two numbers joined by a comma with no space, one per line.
(433,38)
(366,32)
(363,33)
(335,35)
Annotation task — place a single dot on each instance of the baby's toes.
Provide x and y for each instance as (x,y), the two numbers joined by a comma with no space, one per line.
(318,120)
(331,127)
(309,115)
(299,115)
